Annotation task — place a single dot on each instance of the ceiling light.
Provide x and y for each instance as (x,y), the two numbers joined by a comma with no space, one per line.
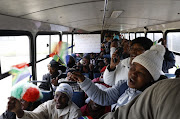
(115,14)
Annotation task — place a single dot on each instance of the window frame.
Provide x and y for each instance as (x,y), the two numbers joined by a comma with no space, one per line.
(153,33)
(174,30)
(139,32)
(19,33)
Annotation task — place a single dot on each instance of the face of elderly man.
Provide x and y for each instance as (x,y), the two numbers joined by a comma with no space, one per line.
(61,100)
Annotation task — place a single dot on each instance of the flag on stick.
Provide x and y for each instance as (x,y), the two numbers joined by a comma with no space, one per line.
(59,52)
(19,72)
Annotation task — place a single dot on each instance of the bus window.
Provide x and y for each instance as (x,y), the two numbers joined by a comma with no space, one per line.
(173,45)
(13,50)
(140,35)
(44,46)
(68,39)
(154,36)
(132,36)
(126,36)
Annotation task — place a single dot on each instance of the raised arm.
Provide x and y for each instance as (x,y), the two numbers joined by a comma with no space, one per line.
(101,97)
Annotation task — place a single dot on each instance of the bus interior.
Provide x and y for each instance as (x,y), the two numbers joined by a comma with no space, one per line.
(29,30)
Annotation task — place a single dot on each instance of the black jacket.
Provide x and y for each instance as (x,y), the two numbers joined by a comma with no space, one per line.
(8,115)
(47,77)
(169,61)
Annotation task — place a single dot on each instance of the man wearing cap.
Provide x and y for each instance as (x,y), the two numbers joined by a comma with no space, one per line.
(55,73)
(61,107)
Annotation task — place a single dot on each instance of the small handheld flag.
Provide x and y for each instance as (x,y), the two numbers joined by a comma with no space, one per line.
(59,52)
(86,117)
(19,72)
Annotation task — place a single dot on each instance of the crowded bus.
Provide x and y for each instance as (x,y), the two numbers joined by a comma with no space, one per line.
(89,59)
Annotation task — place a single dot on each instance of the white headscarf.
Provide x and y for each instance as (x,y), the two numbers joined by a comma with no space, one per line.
(66,89)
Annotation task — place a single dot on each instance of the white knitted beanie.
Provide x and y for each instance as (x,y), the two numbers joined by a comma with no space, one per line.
(152,60)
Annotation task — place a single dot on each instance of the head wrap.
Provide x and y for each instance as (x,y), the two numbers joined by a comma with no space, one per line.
(66,89)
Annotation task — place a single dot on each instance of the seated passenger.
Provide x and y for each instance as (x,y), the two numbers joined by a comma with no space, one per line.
(61,107)
(55,73)
(70,61)
(119,70)
(29,96)
(144,71)
(159,101)
(85,67)
(106,61)
(74,84)
(94,110)
(177,73)
(126,50)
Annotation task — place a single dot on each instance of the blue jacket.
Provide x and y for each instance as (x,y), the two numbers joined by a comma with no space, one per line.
(169,61)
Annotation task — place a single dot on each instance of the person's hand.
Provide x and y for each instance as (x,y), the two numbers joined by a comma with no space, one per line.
(14,105)
(77,76)
(91,67)
(54,81)
(113,64)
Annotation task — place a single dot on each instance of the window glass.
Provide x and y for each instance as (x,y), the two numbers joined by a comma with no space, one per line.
(54,41)
(126,36)
(150,36)
(69,43)
(173,42)
(43,45)
(13,50)
(177,64)
(68,39)
(140,35)
(157,36)
(154,36)
(173,45)
(132,36)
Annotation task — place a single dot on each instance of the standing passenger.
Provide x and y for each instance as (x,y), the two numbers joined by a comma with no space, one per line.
(169,59)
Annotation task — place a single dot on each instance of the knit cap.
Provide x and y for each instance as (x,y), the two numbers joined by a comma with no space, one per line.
(66,89)
(26,91)
(152,60)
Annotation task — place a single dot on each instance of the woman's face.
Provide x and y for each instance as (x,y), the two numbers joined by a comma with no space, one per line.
(61,100)
(69,76)
(138,76)
(135,50)
(86,62)
(51,70)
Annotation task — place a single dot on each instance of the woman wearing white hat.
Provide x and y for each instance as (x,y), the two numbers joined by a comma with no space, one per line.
(144,71)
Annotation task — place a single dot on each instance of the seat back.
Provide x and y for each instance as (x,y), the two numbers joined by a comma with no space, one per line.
(47,95)
(79,98)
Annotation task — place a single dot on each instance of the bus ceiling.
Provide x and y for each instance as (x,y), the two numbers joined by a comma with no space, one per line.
(90,15)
